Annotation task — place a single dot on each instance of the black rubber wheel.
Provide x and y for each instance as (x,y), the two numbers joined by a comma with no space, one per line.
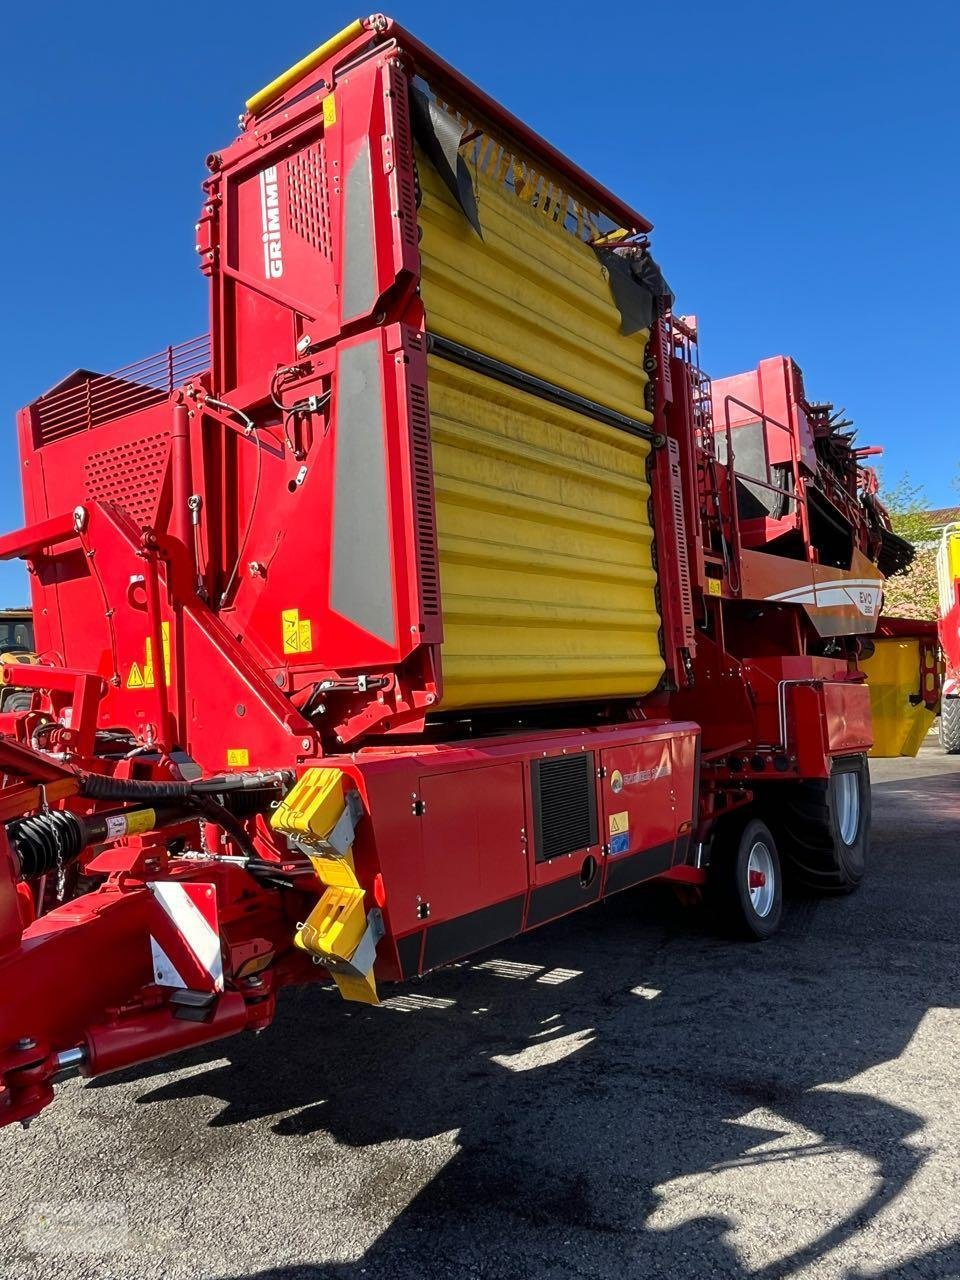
(823,826)
(745,884)
(950,725)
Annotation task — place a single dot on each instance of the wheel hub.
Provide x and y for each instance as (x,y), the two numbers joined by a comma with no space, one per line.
(847,796)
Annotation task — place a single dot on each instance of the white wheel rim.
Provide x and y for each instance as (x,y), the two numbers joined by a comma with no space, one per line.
(847,794)
(761,879)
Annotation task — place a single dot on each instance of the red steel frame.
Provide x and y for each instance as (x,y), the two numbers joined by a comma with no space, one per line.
(143,491)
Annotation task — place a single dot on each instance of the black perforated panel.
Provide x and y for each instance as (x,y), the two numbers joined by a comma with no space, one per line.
(564,804)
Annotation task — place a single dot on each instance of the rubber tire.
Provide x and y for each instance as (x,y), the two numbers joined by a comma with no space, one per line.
(806,826)
(728,884)
(950,725)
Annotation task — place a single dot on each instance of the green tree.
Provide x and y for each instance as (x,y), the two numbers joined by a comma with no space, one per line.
(912,594)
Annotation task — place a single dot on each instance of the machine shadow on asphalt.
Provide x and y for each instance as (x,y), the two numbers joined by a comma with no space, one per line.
(625,1047)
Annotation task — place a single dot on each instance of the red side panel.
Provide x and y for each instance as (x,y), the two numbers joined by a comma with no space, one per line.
(317,225)
(846,710)
(647,797)
(477,841)
(774,389)
(829,719)
(315,304)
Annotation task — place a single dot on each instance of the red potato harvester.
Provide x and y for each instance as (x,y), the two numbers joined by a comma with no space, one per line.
(431,596)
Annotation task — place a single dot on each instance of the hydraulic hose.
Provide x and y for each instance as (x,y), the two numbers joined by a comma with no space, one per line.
(47,841)
(100,787)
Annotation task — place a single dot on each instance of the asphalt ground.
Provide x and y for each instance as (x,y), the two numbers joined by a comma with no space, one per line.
(619,1094)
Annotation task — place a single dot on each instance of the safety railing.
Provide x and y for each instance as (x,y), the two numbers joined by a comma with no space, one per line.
(795,494)
(90,400)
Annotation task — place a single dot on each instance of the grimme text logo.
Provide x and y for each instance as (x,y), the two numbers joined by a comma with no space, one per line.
(270,220)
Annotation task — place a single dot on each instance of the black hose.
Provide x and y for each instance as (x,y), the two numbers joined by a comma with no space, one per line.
(205,807)
(47,841)
(99,787)
(280,779)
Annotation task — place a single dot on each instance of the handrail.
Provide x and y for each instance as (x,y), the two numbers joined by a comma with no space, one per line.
(95,399)
(797,494)
(270,92)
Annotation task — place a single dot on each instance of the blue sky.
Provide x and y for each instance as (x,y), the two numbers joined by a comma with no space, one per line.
(799,164)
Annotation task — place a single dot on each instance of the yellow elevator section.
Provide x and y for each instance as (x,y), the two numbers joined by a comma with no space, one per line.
(545,541)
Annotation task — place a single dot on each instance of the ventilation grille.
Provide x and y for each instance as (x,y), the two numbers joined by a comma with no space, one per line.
(564,805)
(680,529)
(423,496)
(130,476)
(86,399)
(403,147)
(308,208)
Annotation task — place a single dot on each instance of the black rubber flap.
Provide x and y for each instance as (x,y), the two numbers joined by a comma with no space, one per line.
(637,284)
(439,136)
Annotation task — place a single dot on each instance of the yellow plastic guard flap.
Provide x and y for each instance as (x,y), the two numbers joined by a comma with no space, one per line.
(312,808)
(335,926)
(359,987)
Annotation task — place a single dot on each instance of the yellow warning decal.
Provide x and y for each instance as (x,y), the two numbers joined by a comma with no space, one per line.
(238,756)
(297,632)
(329,110)
(619,823)
(141,820)
(145,677)
(130,824)
(714,587)
(149,679)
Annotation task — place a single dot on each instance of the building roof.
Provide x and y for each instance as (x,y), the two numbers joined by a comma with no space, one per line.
(942,516)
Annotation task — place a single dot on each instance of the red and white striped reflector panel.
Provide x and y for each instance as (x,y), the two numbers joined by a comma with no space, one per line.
(185,937)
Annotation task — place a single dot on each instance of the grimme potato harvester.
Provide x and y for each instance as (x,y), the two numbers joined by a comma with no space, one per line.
(434,594)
